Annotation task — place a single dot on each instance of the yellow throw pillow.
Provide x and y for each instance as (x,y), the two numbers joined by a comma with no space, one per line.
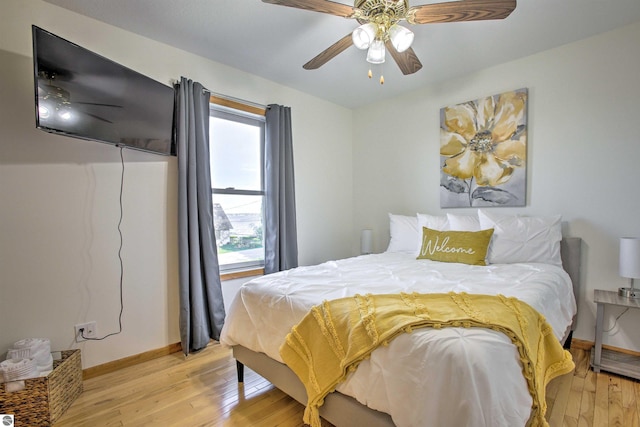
(467,247)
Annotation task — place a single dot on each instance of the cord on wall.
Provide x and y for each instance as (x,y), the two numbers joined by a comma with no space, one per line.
(119,257)
(615,322)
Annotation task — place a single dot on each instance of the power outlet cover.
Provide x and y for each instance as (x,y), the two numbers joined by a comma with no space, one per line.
(89,331)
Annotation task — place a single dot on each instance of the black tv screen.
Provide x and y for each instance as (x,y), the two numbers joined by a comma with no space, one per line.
(84,95)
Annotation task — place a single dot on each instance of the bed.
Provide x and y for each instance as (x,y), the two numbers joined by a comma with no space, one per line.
(429,377)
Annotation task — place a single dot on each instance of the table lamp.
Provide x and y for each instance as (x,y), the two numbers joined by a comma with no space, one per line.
(629,265)
(366,242)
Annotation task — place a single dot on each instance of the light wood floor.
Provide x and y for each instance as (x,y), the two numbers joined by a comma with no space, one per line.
(202,391)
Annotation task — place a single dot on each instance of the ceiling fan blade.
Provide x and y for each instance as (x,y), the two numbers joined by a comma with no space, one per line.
(407,60)
(329,53)
(464,10)
(323,6)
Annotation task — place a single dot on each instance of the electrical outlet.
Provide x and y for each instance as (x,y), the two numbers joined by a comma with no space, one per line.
(89,331)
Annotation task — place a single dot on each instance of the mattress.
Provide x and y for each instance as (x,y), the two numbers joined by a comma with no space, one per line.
(450,376)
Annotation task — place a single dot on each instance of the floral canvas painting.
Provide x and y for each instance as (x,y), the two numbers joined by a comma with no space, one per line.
(483,150)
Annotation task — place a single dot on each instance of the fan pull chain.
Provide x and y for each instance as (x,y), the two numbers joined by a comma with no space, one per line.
(370,75)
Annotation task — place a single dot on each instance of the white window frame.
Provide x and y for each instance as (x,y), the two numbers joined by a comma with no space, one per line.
(226,112)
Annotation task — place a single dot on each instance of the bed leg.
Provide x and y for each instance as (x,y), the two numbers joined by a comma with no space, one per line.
(567,343)
(240,371)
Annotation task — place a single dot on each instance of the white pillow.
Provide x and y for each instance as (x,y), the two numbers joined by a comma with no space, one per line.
(404,233)
(434,222)
(464,222)
(523,239)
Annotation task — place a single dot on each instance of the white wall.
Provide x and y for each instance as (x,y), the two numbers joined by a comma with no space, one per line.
(583,154)
(59,196)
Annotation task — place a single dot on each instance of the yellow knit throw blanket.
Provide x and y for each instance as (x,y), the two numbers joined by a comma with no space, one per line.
(335,336)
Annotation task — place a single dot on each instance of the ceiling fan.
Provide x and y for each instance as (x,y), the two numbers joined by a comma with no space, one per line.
(379,30)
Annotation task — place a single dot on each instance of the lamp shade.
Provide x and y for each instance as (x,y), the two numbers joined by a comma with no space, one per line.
(401,37)
(364,35)
(366,241)
(630,257)
(376,52)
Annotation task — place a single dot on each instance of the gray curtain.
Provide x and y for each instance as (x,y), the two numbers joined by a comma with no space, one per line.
(201,304)
(280,234)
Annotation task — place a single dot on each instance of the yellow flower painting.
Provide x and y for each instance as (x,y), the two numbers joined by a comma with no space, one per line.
(483,151)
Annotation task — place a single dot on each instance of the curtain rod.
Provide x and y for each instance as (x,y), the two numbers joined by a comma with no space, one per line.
(231,98)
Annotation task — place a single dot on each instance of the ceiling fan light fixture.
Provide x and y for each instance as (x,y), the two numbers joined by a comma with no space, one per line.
(364,35)
(385,14)
(376,52)
(401,37)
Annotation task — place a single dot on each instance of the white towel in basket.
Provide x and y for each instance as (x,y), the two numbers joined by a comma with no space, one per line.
(38,349)
(14,369)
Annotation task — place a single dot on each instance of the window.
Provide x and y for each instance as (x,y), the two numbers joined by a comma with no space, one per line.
(237,142)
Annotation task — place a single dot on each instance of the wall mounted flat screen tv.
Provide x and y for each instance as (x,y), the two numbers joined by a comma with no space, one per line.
(84,95)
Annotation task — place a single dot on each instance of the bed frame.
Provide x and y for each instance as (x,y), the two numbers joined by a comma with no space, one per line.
(342,410)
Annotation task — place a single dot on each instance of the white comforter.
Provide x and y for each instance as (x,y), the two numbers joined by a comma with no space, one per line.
(449,377)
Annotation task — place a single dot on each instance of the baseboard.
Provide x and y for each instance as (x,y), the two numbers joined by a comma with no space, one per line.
(586,345)
(581,344)
(115,365)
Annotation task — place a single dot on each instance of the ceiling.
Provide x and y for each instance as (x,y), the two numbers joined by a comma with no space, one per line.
(274,42)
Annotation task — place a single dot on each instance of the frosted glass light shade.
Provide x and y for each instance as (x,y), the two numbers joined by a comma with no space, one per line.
(630,257)
(364,35)
(401,37)
(366,242)
(376,52)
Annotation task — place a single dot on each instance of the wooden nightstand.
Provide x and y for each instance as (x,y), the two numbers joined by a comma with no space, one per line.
(607,360)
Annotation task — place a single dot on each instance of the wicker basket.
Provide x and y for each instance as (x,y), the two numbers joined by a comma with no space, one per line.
(44,399)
